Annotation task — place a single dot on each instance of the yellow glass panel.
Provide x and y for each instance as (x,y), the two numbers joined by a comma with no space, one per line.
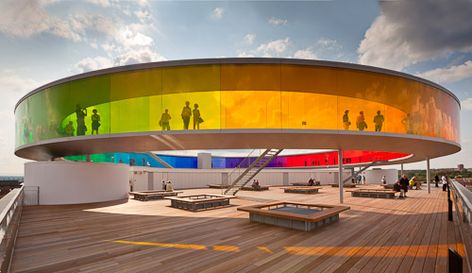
(250,109)
(138,83)
(250,77)
(191,79)
(208,106)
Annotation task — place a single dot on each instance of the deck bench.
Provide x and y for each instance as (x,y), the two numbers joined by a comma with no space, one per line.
(373,193)
(198,202)
(303,190)
(218,186)
(305,184)
(251,188)
(293,215)
(152,195)
(347,185)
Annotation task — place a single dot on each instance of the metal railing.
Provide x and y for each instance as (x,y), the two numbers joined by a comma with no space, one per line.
(11,206)
(462,199)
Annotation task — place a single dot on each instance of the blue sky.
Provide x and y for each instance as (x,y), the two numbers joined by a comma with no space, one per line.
(44,40)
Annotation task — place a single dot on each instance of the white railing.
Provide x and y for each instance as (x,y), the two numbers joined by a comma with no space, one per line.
(11,206)
(462,199)
(31,195)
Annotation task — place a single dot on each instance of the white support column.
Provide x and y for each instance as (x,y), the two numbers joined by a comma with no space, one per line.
(401,169)
(340,176)
(428,176)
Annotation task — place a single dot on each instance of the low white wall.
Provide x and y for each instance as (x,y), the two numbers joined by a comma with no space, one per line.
(146,178)
(68,182)
(374,176)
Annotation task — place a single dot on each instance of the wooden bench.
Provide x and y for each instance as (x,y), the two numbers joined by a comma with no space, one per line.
(373,193)
(301,184)
(304,190)
(347,185)
(152,195)
(199,202)
(388,186)
(218,186)
(293,215)
(251,188)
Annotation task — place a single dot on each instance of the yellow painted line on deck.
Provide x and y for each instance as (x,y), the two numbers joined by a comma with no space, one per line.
(227,248)
(342,251)
(379,251)
(165,245)
(265,249)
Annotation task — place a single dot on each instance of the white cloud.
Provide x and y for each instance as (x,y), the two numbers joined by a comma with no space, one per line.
(24,19)
(13,88)
(249,38)
(90,64)
(140,55)
(245,54)
(409,32)
(306,53)
(449,74)
(277,21)
(217,13)
(467,104)
(103,3)
(275,47)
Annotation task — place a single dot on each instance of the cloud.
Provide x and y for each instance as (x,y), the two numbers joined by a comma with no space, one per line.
(103,3)
(467,104)
(90,64)
(141,55)
(13,88)
(276,47)
(409,32)
(277,21)
(306,53)
(249,38)
(24,19)
(217,13)
(450,74)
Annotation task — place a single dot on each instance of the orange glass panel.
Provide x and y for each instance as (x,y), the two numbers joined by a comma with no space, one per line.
(250,77)
(250,109)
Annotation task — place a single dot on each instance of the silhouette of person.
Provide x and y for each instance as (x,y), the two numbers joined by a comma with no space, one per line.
(197,119)
(81,114)
(378,121)
(346,121)
(95,121)
(186,113)
(360,122)
(164,122)
(69,130)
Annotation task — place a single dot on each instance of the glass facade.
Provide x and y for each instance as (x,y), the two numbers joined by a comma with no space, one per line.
(237,96)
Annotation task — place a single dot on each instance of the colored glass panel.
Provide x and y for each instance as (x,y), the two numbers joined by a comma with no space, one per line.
(237,96)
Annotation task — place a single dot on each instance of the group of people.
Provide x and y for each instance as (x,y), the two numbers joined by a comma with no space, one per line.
(255,185)
(404,184)
(361,124)
(167,186)
(81,113)
(186,114)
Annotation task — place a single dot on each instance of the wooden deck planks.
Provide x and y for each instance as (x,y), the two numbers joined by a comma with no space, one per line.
(371,237)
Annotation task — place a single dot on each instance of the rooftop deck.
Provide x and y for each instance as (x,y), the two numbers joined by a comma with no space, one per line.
(375,235)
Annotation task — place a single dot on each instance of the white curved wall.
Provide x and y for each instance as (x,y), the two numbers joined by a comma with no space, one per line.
(67,182)
(374,176)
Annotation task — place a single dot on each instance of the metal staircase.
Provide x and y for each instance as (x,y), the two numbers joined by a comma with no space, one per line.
(251,171)
(355,174)
(158,159)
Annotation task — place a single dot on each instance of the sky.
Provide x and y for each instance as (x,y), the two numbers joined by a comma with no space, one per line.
(44,40)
